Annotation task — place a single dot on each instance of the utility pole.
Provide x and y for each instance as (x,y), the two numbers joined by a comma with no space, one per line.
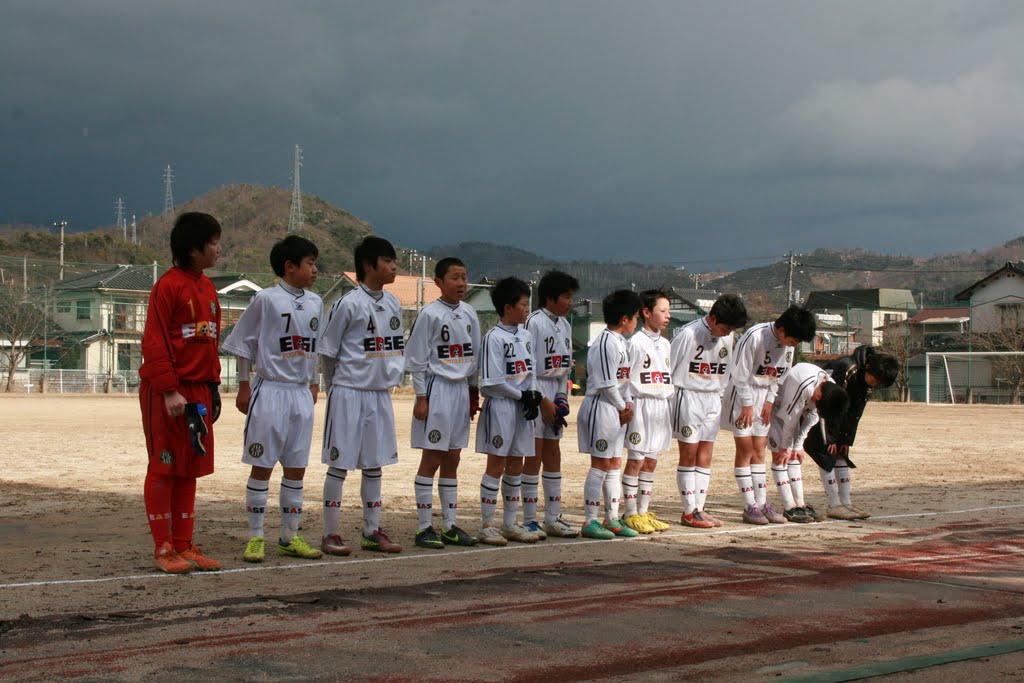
(295,216)
(61,224)
(696,280)
(168,191)
(412,255)
(791,258)
(135,231)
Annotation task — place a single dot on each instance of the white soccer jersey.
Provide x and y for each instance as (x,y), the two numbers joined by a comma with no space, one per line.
(700,360)
(278,333)
(608,366)
(444,341)
(552,344)
(364,333)
(650,375)
(793,415)
(760,359)
(506,358)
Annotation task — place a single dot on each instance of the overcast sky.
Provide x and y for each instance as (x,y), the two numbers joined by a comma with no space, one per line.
(690,132)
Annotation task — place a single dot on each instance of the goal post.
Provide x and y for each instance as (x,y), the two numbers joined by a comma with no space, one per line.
(961,377)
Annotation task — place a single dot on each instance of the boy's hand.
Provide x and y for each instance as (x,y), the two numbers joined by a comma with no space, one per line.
(474,402)
(837,449)
(421,408)
(626,414)
(797,455)
(781,457)
(746,417)
(561,404)
(766,413)
(175,403)
(548,412)
(242,397)
(315,390)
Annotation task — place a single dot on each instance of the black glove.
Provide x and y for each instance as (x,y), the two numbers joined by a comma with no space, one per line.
(559,424)
(194,414)
(531,404)
(214,402)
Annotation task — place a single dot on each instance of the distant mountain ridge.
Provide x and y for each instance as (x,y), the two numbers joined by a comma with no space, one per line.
(255,217)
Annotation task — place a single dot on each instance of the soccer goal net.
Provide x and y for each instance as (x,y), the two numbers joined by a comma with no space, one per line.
(974,377)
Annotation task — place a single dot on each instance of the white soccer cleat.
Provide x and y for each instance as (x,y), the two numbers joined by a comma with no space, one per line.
(490,535)
(519,533)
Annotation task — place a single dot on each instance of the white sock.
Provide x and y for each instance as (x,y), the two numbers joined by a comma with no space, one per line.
(424,489)
(489,487)
(646,490)
(781,475)
(612,493)
(828,481)
(703,478)
(448,492)
(796,483)
(630,486)
(529,494)
(291,508)
(552,496)
(369,491)
(256,493)
(759,475)
(687,483)
(842,472)
(592,488)
(511,490)
(333,484)
(746,486)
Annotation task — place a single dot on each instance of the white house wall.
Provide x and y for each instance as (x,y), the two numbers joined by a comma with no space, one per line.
(985,315)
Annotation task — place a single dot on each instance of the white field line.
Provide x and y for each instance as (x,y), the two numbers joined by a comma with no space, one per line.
(746,529)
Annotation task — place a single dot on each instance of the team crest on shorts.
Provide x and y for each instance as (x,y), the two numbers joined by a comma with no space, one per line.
(528,349)
(772,444)
(314,323)
(469,329)
(213,309)
(395,323)
(635,438)
(256,450)
(687,432)
(567,343)
(166,457)
(434,436)
(789,356)
(723,352)
(335,453)
(601,445)
(497,441)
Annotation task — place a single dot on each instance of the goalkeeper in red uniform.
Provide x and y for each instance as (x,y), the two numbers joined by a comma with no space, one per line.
(178,391)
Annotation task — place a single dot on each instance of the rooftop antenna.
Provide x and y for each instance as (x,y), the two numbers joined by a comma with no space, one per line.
(62,224)
(295,215)
(168,192)
(121,224)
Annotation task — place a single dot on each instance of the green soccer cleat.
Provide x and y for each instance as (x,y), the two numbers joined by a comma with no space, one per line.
(456,536)
(297,547)
(617,527)
(254,550)
(428,538)
(593,529)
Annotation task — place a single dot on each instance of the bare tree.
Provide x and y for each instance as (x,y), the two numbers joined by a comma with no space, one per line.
(21,329)
(903,348)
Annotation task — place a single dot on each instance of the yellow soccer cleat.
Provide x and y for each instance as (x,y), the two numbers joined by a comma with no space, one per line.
(638,523)
(656,523)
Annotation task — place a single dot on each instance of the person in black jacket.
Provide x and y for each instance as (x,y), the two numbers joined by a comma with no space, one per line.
(830,441)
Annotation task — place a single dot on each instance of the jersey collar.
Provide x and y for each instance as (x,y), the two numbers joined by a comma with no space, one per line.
(296,292)
(376,296)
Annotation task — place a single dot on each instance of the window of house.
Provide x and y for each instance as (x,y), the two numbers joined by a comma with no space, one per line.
(1011,315)
(84,309)
(63,306)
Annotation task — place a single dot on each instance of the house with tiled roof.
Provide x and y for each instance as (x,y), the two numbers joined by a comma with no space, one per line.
(106,312)
(996,301)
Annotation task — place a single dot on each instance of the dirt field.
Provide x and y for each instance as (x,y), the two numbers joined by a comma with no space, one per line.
(77,553)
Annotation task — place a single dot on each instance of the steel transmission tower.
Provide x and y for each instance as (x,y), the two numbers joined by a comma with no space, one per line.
(295,216)
(122,225)
(168,192)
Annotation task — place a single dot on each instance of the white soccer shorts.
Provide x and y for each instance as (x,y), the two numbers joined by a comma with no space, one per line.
(447,425)
(278,424)
(359,429)
(502,430)
(731,408)
(650,430)
(695,415)
(599,432)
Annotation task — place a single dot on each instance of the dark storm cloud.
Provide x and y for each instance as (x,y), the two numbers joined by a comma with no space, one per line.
(660,131)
